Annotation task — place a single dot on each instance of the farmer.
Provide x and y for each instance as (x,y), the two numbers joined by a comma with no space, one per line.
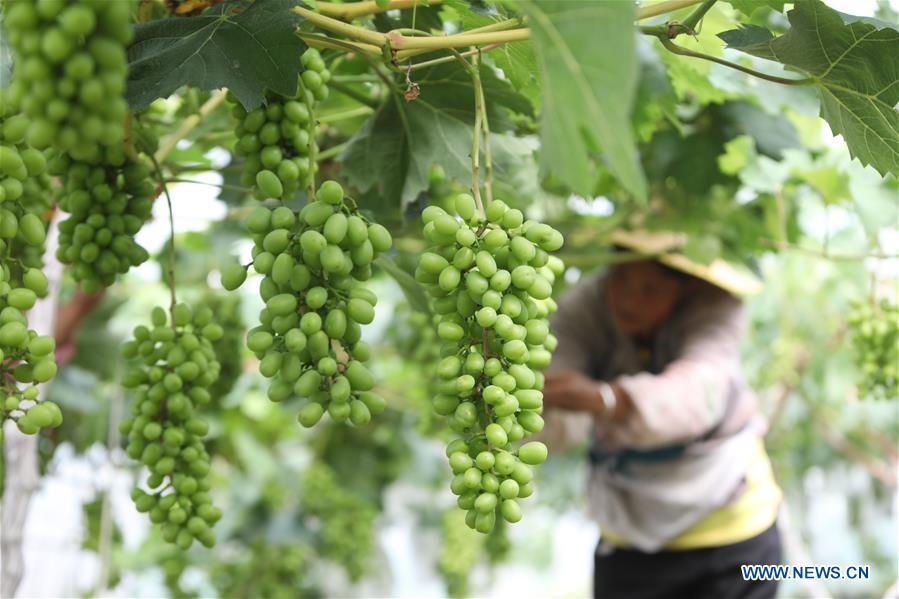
(647,371)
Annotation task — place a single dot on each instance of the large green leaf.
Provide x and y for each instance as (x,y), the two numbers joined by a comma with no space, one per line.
(396,148)
(587,55)
(248,48)
(854,64)
(747,7)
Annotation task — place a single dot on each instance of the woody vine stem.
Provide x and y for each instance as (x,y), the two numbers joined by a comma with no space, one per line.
(395,45)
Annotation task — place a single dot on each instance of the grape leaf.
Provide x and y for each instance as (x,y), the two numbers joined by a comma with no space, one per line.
(747,7)
(854,65)
(586,52)
(247,48)
(516,60)
(395,149)
(414,292)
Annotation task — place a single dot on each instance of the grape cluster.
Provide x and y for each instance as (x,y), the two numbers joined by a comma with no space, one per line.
(308,340)
(270,570)
(278,139)
(26,358)
(108,204)
(70,72)
(345,520)
(491,279)
(876,342)
(176,367)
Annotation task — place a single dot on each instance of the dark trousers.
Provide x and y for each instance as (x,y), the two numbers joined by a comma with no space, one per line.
(706,573)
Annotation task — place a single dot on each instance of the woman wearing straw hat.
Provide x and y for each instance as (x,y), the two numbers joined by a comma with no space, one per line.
(648,369)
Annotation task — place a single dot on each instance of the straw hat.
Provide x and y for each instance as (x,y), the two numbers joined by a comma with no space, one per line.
(662,245)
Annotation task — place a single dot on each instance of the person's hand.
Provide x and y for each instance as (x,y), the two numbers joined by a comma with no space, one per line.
(571,390)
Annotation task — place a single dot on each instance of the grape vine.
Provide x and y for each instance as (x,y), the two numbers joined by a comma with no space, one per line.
(492,281)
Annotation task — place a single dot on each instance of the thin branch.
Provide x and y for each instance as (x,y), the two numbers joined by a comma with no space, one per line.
(695,17)
(355,10)
(481,106)
(323,41)
(654,10)
(442,59)
(345,114)
(189,124)
(171,264)
(352,93)
(681,51)
(359,34)
(332,151)
(398,41)
(476,134)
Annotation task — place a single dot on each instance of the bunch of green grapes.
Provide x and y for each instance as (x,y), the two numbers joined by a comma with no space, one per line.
(175,368)
(273,571)
(108,204)
(460,552)
(278,139)
(70,72)
(345,521)
(875,338)
(26,358)
(491,279)
(308,340)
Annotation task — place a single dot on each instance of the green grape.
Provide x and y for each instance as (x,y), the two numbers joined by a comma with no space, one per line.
(108,204)
(277,140)
(77,52)
(27,358)
(491,280)
(875,340)
(175,368)
(308,338)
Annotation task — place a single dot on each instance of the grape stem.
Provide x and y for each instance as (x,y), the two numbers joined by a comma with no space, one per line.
(488,154)
(681,51)
(355,10)
(171,261)
(474,69)
(189,124)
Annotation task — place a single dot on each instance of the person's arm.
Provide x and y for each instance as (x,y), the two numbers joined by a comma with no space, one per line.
(688,398)
(682,402)
(574,391)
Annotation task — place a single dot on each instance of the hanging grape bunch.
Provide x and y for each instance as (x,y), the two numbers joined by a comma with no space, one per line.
(69,78)
(278,139)
(308,341)
(70,73)
(492,281)
(175,368)
(26,358)
(875,339)
(108,205)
